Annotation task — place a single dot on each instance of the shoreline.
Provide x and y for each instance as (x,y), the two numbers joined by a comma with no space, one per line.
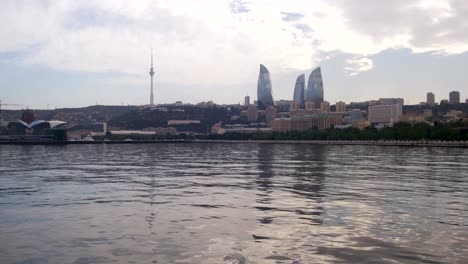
(398,143)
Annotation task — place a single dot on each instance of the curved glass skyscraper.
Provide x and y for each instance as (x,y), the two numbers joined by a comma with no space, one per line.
(314,90)
(299,90)
(264,90)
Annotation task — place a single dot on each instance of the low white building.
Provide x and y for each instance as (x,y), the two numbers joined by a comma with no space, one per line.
(182,122)
(132,132)
(386,113)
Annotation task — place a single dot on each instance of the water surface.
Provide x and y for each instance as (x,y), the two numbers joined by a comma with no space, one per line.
(233,203)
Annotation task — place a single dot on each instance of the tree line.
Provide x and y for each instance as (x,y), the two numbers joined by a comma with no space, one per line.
(400,131)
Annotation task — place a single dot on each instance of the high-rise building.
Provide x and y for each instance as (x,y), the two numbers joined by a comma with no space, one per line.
(264,89)
(252,113)
(299,90)
(340,107)
(386,113)
(151,72)
(430,99)
(247,101)
(454,97)
(325,106)
(270,114)
(314,90)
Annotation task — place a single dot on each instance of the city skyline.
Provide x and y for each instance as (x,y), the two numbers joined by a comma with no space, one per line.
(94,52)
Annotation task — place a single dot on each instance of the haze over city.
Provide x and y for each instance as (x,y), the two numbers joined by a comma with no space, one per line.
(79,53)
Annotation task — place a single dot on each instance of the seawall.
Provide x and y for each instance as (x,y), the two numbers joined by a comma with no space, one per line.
(452,144)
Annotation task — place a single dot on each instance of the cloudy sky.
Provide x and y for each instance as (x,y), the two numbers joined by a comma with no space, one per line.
(77,53)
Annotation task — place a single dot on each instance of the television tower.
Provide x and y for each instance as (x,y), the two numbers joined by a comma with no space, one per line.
(151,74)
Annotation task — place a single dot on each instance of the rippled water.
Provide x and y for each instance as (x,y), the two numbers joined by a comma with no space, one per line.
(233,203)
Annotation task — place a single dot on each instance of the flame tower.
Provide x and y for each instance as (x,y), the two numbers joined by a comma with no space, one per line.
(151,74)
(314,92)
(264,90)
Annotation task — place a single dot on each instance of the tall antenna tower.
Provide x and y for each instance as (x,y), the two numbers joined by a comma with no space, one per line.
(151,74)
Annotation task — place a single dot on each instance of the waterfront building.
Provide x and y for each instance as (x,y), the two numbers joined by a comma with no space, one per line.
(299,91)
(126,133)
(283,105)
(361,124)
(341,127)
(314,90)
(304,112)
(341,107)
(247,101)
(295,105)
(246,130)
(281,125)
(427,113)
(412,118)
(28,116)
(454,97)
(390,101)
(243,114)
(183,122)
(252,113)
(355,118)
(355,115)
(165,130)
(453,116)
(39,130)
(217,128)
(309,105)
(264,89)
(99,129)
(325,106)
(270,114)
(430,99)
(317,121)
(261,115)
(387,113)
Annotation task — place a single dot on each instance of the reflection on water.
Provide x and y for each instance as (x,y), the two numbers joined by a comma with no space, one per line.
(232,203)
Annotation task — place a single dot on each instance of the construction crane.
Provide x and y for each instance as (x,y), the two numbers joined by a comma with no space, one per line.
(3,104)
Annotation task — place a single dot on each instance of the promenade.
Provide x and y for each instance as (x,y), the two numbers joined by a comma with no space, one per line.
(459,144)
(402,143)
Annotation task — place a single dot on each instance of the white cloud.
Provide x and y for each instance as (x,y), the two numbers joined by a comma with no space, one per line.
(356,66)
(211,43)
